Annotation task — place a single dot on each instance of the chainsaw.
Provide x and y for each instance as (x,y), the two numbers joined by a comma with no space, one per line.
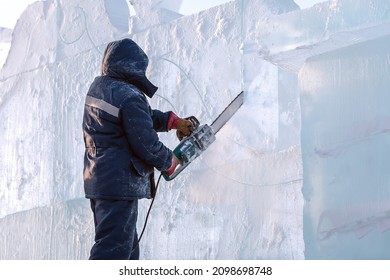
(201,137)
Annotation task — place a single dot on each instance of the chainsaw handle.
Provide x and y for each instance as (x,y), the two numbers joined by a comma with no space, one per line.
(194,121)
(192,128)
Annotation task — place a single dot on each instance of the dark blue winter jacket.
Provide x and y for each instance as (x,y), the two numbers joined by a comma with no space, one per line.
(122,147)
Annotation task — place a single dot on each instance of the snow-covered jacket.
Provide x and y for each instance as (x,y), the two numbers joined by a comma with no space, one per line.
(122,147)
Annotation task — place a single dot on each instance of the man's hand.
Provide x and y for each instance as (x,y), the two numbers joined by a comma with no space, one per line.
(175,162)
(183,126)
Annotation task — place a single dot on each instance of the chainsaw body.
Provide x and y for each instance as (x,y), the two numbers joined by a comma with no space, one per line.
(191,147)
(201,137)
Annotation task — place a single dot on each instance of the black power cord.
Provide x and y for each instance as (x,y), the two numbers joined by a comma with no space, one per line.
(147,216)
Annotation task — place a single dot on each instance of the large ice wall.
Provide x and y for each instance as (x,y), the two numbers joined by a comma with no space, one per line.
(42,83)
(342,59)
(242,199)
(48,68)
(346,152)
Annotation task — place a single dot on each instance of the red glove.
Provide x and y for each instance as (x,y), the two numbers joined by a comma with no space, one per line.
(175,162)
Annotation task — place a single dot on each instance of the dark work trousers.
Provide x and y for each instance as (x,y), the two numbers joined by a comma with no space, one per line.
(115,229)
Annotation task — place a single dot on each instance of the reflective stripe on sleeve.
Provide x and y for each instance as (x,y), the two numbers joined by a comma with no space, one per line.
(102,105)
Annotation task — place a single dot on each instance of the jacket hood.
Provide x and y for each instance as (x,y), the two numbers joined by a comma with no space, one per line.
(125,60)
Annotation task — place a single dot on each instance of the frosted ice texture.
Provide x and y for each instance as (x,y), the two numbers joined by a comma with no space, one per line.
(5,35)
(242,198)
(346,156)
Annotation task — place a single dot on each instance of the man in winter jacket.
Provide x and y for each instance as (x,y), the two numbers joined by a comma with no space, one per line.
(122,148)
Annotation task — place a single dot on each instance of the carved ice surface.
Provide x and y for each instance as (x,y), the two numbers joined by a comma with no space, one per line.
(300,171)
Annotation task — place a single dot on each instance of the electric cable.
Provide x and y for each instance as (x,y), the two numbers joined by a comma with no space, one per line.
(147,216)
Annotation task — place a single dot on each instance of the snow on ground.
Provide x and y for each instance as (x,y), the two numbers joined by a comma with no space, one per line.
(242,199)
